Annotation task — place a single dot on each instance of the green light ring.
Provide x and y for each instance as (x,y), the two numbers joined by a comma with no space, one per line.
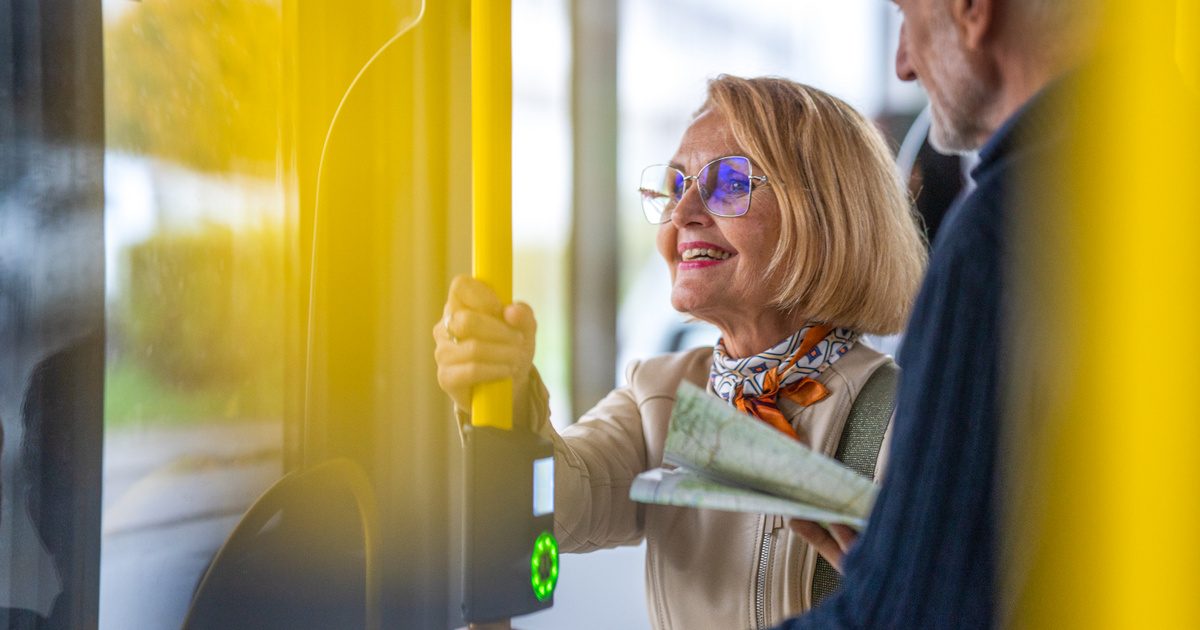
(544,546)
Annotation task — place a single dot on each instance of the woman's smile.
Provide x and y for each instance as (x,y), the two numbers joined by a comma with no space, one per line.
(700,254)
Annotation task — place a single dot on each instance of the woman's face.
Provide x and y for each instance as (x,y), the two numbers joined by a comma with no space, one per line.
(731,286)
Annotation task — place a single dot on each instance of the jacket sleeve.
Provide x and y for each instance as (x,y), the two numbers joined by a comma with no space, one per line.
(596,460)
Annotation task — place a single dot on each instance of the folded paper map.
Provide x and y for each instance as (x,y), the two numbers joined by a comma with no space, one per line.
(727,460)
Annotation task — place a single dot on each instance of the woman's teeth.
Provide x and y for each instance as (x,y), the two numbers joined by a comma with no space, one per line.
(705,254)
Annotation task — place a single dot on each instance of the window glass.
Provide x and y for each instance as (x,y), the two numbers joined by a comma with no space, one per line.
(196,262)
(541,56)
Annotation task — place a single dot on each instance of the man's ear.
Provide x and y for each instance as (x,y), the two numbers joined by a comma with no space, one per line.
(974,20)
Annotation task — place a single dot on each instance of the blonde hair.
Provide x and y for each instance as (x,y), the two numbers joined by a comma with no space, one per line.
(849,252)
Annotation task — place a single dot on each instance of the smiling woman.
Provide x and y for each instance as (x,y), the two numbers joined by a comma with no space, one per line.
(804,253)
(793,238)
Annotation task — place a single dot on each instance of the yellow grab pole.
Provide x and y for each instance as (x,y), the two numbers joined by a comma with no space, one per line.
(491,179)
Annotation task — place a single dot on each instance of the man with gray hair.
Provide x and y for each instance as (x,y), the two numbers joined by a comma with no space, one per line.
(995,72)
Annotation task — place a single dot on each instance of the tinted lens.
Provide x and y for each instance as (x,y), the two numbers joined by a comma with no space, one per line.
(661,189)
(725,186)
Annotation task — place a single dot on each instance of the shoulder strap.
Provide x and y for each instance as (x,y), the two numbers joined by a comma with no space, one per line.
(858,449)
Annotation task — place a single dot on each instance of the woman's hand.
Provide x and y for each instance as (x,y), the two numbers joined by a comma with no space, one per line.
(480,340)
(832,543)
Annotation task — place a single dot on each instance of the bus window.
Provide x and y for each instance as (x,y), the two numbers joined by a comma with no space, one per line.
(197,265)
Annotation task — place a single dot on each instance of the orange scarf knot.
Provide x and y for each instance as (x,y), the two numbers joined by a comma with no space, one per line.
(766,408)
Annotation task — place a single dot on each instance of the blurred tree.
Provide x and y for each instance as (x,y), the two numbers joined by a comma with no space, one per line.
(196,82)
(204,313)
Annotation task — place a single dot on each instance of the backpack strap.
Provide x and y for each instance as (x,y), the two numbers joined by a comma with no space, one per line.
(858,449)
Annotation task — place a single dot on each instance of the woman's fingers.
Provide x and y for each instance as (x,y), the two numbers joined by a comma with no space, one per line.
(483,352)
(468,293)
(520,317)
(467,375)
(821,540)
(458,380)
(479,340)
(465,361)
(467,324)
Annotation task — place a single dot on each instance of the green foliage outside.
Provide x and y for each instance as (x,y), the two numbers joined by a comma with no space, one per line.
(196,82)
(197,332)
(200,328)
(135,396)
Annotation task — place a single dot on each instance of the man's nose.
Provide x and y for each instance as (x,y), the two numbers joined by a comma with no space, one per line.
(904,69)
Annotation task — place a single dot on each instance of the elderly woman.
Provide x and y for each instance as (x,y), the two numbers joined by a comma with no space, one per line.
(783,223)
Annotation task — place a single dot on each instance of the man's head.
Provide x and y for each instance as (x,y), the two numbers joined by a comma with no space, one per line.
(980,60)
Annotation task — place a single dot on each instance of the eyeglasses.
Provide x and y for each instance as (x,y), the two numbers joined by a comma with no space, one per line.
(725,185)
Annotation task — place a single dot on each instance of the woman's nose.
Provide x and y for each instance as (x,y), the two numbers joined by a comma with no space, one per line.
(690,210)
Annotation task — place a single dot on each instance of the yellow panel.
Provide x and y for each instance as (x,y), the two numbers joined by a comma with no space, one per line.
(381,196)
(1187,47)
(378,183)
(1108,538)
(351,132)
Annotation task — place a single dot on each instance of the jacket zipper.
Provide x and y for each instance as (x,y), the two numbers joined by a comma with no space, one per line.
(662,602)
(760,596)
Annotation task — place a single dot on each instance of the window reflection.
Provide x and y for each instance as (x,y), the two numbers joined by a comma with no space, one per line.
(197,263)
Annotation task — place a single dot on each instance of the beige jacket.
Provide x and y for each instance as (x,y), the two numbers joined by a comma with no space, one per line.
(704,568)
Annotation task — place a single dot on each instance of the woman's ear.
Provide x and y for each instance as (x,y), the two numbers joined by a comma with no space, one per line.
(974,20)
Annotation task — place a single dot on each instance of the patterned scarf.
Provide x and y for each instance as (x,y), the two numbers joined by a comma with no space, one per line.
(753,384)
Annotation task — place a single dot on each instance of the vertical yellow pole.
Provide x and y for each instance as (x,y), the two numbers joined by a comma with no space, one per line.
(491,177)
(1118,511)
